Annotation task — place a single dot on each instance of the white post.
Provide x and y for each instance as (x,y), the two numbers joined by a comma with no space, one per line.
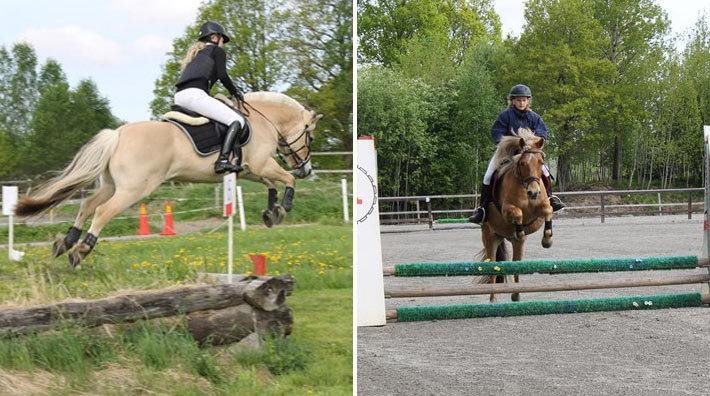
(706,231)
(344,193)
(240,204)
(368,277)
(230,181)
(9,200)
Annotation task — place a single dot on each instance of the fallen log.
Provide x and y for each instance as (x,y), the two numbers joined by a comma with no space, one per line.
(229,325)
(264,294)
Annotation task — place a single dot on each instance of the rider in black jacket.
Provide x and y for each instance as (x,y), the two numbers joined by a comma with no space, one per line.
(204,64)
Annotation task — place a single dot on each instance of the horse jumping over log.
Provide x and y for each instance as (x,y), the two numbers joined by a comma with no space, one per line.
(133,160)
(520,206)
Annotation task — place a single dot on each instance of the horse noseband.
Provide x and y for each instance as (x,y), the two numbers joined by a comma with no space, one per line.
(529,180)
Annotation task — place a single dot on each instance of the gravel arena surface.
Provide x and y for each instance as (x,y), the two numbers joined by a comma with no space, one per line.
(654,352)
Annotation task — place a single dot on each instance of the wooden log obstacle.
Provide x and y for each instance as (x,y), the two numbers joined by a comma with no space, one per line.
(546,267)
(217,313)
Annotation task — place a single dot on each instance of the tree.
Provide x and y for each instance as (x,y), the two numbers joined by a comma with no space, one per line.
(255,56)
(19,91)
(318,41)
(385,26)
(632,33)
(64,121)
(391,108)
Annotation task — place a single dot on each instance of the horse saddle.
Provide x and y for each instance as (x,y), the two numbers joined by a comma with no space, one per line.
(205,134)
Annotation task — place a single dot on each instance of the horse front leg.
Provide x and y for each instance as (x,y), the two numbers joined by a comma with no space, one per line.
(513,215)
(547,233)
(273,214)
(269,173)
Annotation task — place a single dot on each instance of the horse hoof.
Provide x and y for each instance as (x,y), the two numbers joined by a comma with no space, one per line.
(515,297)
(58,248)
(78,253)
(547,244)
(267,218)
(279,214)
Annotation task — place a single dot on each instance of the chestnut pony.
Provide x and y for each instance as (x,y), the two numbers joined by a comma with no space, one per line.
(521,205)
(133,160)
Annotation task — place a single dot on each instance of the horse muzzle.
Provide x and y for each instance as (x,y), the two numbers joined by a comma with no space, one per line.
(302,171)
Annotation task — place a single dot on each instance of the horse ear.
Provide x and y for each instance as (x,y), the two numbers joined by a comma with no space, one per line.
(522,143)
(540,143)
(318,117)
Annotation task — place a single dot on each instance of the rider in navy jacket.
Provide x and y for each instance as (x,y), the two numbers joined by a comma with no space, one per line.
(512,119)
(517,115)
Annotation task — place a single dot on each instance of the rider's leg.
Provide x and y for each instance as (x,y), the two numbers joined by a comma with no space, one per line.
(223,165)
(197,100)
(555,201)
(479,216)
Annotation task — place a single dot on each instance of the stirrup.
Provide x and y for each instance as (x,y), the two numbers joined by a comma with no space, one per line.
(479,217)
(556,203)
(223,165)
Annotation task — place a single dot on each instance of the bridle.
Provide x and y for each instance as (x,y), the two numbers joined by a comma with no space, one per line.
(531,179)
(285,145)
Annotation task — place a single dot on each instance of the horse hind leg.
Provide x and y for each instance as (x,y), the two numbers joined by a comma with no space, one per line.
(119,202)
(62,243)
(517,256)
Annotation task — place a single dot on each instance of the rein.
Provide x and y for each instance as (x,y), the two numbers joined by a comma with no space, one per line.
(532,179)
(283,142)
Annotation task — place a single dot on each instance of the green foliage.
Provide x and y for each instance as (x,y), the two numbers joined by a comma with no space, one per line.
(386,27)
(303,49)
(622,107)
(394,110)
(43,122)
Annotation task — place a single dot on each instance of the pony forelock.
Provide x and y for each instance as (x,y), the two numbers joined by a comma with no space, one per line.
(509,147)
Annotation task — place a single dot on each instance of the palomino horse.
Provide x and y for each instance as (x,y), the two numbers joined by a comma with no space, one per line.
(133,160)
(524,204)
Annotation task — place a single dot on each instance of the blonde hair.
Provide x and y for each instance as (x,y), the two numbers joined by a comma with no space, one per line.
(192,51)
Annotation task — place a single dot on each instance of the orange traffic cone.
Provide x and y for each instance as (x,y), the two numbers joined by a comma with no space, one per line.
(168,229)
(143,227)
(259,261)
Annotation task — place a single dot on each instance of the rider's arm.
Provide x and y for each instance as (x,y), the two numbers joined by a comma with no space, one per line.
(540,128)
(220,62)
(500,127)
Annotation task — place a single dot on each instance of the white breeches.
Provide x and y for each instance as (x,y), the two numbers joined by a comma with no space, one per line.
(197,100)
(491,168)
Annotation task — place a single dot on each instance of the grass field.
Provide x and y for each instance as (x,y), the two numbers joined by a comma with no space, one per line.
(160,357)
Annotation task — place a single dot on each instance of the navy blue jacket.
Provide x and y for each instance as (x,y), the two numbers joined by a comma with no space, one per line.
(511,119)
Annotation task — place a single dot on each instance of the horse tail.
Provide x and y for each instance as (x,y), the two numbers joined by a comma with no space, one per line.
(88,164)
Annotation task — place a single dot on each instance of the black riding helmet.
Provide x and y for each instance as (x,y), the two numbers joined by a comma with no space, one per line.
(209,28)
(520,90)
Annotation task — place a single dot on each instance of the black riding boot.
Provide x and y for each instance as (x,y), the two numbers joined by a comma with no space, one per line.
(223,165)
(480,215)
(555,201)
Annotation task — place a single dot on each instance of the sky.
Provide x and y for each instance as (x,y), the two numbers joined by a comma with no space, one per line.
(121,44)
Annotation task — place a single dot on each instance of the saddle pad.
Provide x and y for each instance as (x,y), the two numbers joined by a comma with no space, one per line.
(207,139)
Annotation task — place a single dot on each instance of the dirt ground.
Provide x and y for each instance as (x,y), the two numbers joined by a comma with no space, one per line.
(656,352)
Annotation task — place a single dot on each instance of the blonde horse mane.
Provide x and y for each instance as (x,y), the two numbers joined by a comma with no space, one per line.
(509,149)
(274,97)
